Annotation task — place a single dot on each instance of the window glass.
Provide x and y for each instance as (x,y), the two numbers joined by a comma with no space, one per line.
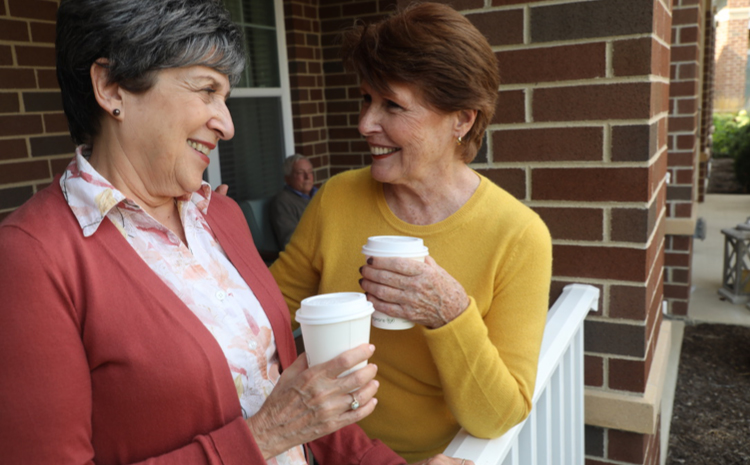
(258,26)
(251,163)
(262,69)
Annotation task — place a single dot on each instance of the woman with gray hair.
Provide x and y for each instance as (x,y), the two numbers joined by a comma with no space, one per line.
(138,322)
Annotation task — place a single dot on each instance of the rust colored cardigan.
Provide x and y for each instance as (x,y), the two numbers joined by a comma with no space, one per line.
(100,362)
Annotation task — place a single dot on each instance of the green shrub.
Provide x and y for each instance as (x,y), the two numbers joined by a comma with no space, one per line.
(741,153)
(728,130)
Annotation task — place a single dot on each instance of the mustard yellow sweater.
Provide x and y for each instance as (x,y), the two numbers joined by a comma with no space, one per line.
(479,370)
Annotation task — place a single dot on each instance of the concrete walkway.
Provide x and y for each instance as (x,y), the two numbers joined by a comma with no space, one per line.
(719,211)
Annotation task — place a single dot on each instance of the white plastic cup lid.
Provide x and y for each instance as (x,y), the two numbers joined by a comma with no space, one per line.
(333,308)
(395,246)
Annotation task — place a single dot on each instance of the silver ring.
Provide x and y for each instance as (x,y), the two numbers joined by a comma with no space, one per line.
(355,403)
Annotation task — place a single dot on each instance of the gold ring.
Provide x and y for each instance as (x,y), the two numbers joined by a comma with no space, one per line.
(355,403)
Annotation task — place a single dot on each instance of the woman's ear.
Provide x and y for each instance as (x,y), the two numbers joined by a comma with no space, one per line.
(464,121)
(108,94)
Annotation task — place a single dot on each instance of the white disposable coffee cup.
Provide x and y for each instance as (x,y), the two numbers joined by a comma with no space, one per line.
(334,323)
(394,246)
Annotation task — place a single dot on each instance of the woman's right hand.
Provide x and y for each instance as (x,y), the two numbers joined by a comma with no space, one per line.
(308,403)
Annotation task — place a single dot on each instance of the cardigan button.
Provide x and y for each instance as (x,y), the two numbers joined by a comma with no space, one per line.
(221,295)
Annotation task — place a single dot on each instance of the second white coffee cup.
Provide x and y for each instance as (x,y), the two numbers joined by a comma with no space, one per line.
(394,246)
(334,323)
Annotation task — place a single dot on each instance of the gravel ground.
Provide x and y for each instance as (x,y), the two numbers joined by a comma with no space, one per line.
(711,416)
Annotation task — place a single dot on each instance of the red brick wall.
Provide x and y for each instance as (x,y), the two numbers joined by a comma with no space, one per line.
(307,81)
(613,446)
(346,147)
(34,140)
(731,58)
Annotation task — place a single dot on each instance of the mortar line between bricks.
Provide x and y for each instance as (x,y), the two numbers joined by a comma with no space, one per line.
(607,224)
(607,141)
(575,124)
(573,164)
(571,42)
(488,8)
(527,25)
(605,300)
(603,282)
(580,204)
(645,79)
(598,244)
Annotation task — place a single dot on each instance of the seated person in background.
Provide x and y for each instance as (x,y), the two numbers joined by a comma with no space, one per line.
(289,204)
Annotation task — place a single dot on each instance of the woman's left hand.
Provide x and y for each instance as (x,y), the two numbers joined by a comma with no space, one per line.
(420,292)
(441,459)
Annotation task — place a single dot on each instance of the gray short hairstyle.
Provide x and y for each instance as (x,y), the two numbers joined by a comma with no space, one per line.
(289,163)
(138,38)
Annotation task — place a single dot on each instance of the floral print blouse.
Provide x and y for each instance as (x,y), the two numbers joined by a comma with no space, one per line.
(198,272)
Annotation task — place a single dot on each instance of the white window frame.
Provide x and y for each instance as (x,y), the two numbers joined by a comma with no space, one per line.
(213,172)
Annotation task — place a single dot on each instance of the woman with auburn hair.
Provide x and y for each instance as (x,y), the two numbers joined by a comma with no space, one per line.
(429,84)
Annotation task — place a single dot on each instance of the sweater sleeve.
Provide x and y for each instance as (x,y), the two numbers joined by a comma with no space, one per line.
(45,387)
(487,364)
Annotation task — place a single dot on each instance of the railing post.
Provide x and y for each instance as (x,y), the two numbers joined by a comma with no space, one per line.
(554,430)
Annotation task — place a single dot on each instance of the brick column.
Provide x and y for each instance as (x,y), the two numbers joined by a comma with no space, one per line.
(34,139)
(307,83)
(731,55)
(685,119)
(581,137)
(707,101)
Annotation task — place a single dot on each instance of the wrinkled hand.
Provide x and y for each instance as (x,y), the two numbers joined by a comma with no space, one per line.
(308,403)
(222,189)
(420,292)
(441,459)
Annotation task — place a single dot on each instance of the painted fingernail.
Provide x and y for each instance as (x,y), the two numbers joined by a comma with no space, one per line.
(369,260)
(360,281)
(360,269)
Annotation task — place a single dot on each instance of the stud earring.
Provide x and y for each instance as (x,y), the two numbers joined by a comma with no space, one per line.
(116,112)
(459,141)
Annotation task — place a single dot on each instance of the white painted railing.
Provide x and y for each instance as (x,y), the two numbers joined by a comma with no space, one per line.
(553,433)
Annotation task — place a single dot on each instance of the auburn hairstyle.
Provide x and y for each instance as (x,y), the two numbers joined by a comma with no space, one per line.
(436,49)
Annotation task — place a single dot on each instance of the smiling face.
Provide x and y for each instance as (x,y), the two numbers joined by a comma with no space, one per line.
(169,130)
(409,141)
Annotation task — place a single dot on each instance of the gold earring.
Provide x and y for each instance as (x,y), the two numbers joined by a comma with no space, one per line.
(459,141)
